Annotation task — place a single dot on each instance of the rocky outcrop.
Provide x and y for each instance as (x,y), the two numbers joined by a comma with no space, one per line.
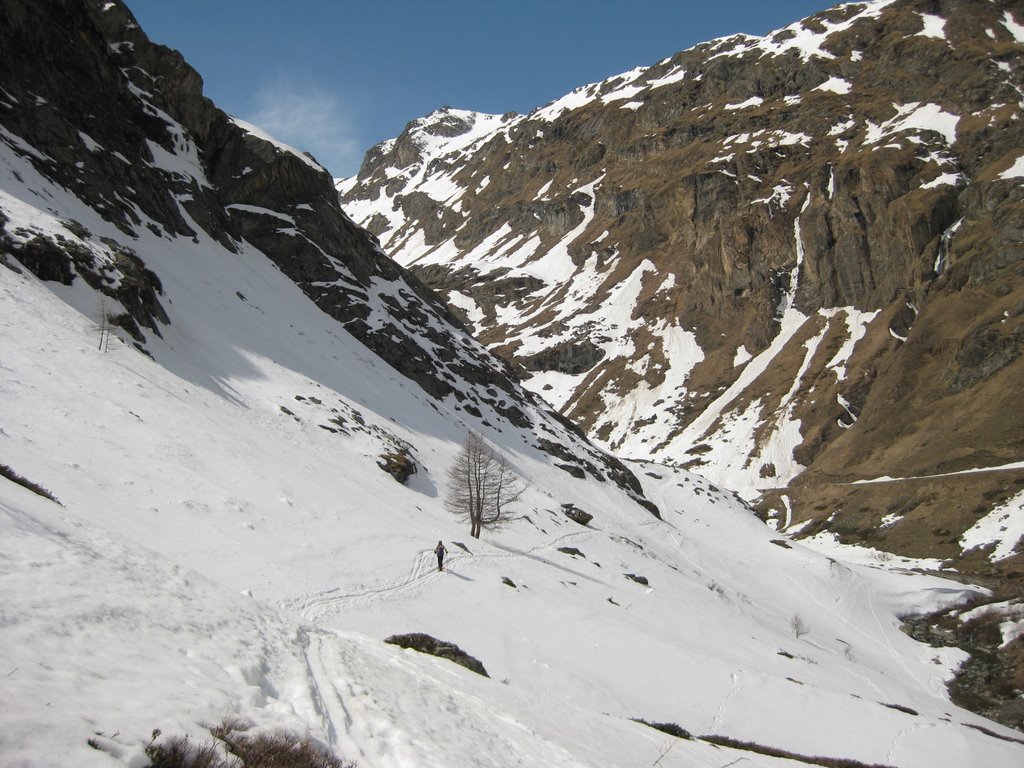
(989,680)
(790,263)
(576,514)
(400,465)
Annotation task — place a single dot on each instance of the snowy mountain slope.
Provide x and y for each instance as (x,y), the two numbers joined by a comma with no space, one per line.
(790,262)
(123,610)
(164,163)
(219,346)
(226,544)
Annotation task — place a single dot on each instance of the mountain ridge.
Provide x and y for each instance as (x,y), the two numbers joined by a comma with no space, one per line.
(789,262)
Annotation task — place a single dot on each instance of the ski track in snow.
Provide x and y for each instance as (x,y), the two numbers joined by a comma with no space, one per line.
(319,603)
(361,724)
(722,710)
(328,698)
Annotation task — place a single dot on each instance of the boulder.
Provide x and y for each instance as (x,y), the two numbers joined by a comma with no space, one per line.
(576,514)
(572,551)
(399,465)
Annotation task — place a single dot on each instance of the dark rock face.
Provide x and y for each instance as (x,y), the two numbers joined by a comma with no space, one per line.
(568,357)
(836,202)
(576,514)
(423,643)
(111,112)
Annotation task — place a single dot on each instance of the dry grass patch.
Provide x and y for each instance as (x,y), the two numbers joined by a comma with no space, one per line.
(233,746)
(14,477)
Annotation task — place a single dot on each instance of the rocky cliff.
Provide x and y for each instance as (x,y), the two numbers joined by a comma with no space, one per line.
(99,124)
(792,263)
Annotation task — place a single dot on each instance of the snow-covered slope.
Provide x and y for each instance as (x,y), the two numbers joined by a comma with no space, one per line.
(218,558)
(225,546)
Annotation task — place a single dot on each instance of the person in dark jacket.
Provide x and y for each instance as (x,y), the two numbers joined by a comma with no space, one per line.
(440,551)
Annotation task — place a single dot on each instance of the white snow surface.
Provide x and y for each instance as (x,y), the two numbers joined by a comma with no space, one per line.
(914,117)
(807,43)
(1003,527)
(835,85)
(1015,171)
(217,555)
(753,101)
(934,26)
(1014,27)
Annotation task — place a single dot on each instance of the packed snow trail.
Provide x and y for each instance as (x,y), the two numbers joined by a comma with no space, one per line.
(320,603)
(312,606)
(387,708)
(414,729)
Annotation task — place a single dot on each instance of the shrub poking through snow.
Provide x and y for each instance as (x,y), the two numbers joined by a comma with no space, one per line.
(798,626)
(14,477)
(762,749)
(423,643)
(670,728)
(179,752)
(235,747)
(277,750)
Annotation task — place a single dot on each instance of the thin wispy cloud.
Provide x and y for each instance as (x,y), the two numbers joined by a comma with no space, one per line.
(310,119)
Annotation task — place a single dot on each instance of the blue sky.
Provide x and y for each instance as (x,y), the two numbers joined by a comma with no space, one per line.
(334,77)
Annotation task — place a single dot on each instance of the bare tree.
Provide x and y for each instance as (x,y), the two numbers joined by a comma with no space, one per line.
(104,324)
(467,479)
(481,485)
(798,626)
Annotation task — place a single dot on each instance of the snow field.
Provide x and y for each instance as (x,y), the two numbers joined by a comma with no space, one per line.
(181,494)
(218,554)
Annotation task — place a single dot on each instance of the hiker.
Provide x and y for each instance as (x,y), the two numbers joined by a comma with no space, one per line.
(440,551)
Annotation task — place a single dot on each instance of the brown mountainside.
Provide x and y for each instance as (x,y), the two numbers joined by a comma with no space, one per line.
(792,263)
